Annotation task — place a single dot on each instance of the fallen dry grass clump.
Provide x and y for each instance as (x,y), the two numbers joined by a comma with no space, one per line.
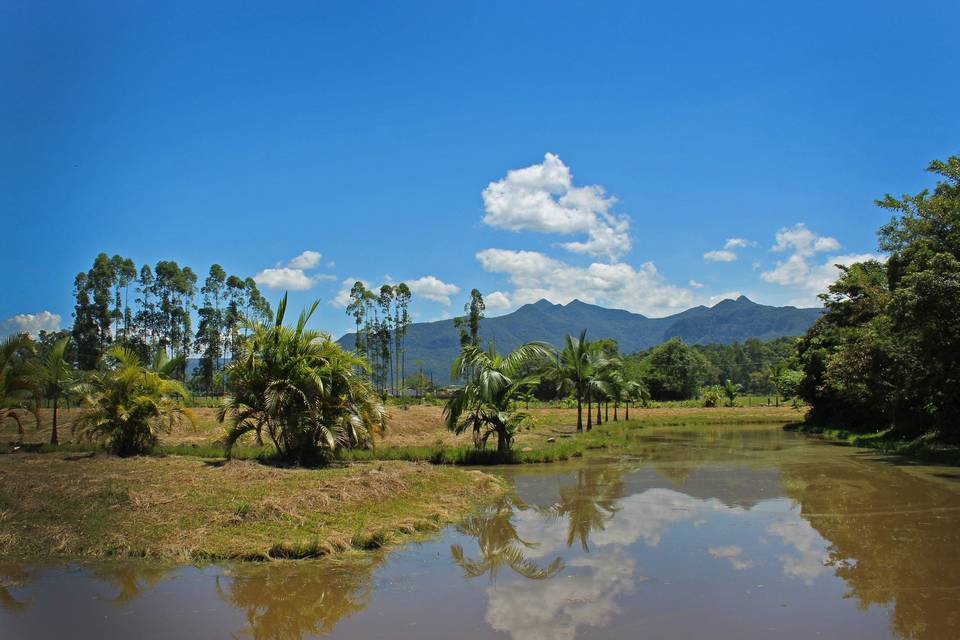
(186,508)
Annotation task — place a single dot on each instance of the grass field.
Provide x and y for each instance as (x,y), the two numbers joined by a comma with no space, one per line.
(417,433)
(189,503)
(188,509)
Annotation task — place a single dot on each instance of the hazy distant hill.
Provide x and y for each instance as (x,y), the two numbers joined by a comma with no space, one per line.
(437,343)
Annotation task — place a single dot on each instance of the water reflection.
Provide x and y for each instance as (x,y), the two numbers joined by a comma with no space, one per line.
(129,579)
(590,503)
(295,601)
(893,540)
(500,545)
(12,577)
(727,533)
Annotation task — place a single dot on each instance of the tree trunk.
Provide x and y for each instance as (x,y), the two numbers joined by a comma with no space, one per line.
(615,405)
(606,411)
(589,412)
(54,440)
(627,409)
(599,416)
(579,414)
(503,440)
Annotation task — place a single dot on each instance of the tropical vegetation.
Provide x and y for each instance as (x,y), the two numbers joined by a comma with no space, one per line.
(302,390)
(129,404)
(886,354)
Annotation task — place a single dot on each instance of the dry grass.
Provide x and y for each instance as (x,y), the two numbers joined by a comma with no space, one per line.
(187,509)
(422,425)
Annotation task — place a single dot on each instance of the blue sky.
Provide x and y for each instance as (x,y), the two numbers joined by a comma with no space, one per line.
(382,137)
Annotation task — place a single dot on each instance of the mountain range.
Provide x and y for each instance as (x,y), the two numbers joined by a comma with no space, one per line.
(432,346)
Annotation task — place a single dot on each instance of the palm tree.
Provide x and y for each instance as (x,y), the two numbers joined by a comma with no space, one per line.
(596,385)
(492,381)
(53,376)
(129,404)
(302,388)
(615,382)
(634,391)
(14,380)
(166,366)
(573,369)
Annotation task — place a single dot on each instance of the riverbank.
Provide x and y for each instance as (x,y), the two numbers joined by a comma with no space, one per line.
(925,449)
(193,510)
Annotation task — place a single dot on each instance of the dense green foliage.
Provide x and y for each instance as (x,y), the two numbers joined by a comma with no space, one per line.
(300,388)
(675,370)
(158,314)
(886,355)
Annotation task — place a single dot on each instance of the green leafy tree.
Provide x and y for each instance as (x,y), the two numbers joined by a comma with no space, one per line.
(673,370)
(886,354)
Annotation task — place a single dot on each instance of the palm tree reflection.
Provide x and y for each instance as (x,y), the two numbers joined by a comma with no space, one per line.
(131,579)
(293,602)
(500,545)
(589,504)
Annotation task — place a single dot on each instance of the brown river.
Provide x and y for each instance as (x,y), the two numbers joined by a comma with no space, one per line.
(729,532)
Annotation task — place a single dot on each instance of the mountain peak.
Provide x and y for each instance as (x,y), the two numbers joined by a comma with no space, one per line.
(740,301)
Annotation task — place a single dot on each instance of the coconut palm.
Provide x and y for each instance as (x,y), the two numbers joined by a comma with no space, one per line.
(573,371)
(53,377)
(634,391)
(302,389)
(128,404)
(595,384)
(15,386)
(492,382)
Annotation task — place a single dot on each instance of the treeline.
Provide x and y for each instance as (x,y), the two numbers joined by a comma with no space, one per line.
(149,309)
(886,354)
(382,320)
(675,370)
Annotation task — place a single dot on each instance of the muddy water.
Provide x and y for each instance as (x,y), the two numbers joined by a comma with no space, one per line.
(731,532)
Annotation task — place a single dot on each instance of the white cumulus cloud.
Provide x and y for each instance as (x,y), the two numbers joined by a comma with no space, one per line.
(617,284)
(306,260)
(738,243)
(32,323)
(696,285)
(542,198)
(803,242)
(802,271)
(497,300)
(433,288)
(720,255)
(293,276)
